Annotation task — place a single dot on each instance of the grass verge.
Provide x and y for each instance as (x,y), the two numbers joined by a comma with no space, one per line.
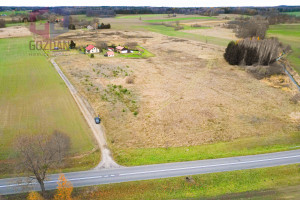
(241,147)
(199,186)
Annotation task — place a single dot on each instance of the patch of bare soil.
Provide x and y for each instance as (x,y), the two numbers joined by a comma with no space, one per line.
(14,31)
(185,95)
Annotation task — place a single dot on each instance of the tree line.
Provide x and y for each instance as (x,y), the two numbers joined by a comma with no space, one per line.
(257,56)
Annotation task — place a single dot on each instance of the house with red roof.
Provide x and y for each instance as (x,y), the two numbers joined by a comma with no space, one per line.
(109,54)
(91,49)
(119,48)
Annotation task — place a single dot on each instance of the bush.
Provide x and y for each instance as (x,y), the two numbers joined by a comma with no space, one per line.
(196,25)
(72,45)
(92,55)
(104,26)
(296,98)
(177,28)
(130,80)
(71,26)
(234,53)
(261,72)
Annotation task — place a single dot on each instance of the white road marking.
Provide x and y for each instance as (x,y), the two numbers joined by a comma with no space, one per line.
(184,168)
(154,171)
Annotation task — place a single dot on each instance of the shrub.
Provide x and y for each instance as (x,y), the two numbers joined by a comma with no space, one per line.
(296,98)
(196,25)
(177,28)
(72,45)
(260,71)
(130,80)
(104,26)
(234,53)
(92,55)
(71,27)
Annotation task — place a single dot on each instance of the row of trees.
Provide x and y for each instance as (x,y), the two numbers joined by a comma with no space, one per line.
(259,54)
(104,26)
(245,27)
(257,26)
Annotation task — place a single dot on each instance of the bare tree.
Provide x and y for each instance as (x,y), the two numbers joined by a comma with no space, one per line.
(101,45)
(39,153)
(2,23)
(131,45)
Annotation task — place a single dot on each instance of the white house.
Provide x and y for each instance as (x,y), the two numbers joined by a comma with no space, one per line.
(91,49)
(89,27)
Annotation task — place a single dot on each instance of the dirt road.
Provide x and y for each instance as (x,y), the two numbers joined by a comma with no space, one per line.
(107,160)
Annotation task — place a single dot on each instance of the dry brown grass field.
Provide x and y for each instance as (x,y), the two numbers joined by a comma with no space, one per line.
(186,95)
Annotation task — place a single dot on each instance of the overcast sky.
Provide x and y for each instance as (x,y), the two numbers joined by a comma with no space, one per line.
(165,3)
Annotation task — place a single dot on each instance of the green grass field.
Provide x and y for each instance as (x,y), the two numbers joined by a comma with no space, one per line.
(80,17)
(288,34)
(292,13)
(34,99)
(177,19)
(14,12)
(136,54)
(187,27)
(138,16)
(169,31)
(265,184)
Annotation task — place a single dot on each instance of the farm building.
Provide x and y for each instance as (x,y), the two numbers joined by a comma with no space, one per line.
(125,50)
(91,49)
(109,54)
(119,48)
(89,27)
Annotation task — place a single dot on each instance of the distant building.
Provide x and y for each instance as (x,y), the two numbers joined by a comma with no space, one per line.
(125,50)
(89,27)
(119,48)
(109,54)
(91,49)
(110,49)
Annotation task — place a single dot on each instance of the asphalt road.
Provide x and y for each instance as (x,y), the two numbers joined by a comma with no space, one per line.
(125,174)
